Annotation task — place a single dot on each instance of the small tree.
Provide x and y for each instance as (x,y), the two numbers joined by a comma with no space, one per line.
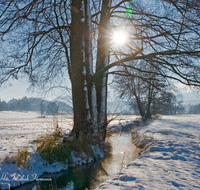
(42,108)
(23,104)
(52,108)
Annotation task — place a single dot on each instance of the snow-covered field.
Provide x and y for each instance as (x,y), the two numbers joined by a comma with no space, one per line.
(19,129)
(173,162)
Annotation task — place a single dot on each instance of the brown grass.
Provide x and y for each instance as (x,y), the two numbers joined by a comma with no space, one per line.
(20,158)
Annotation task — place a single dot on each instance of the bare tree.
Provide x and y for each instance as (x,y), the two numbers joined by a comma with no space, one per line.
(49,40)
(146,92)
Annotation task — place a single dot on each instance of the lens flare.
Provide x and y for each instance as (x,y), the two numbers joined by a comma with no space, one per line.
(119,37)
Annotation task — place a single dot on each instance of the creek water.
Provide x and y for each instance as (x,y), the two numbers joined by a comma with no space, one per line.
(90,177)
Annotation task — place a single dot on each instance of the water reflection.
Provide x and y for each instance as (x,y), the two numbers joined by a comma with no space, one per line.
(79,178)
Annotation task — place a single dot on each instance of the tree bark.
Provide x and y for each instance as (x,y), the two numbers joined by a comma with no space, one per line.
(148,111)
(77,72)
(102,61)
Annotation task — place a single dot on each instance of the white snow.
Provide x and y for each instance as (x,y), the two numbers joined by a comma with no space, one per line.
(97,151)
(18,130)
(173,161)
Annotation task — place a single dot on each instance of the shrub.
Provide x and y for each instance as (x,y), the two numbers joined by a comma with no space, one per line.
(52,150)
(54,147)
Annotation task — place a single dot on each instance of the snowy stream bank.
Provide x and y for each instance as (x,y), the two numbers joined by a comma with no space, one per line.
(173,162)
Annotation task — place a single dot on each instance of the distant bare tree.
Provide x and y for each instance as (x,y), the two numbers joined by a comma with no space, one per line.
(147,93)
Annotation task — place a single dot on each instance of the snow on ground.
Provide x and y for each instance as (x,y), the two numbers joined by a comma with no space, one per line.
(19,129)
(173,161)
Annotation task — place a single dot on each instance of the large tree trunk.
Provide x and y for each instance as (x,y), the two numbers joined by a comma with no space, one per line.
(92,96)
(102,61)
(89,95)
(78,71)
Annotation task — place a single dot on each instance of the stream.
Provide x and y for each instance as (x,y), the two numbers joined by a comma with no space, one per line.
(90,177)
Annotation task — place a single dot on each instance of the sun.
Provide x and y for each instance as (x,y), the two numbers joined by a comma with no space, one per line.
(119,37)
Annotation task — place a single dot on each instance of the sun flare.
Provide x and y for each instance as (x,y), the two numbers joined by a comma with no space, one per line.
(119,37)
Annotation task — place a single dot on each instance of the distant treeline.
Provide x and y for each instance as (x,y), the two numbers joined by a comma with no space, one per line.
(35,104)
(194,109)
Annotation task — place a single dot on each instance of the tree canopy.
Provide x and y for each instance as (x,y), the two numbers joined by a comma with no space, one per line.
(35,36)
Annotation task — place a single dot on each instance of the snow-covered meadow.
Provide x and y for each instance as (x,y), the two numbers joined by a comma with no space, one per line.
(19,130)
(173,161)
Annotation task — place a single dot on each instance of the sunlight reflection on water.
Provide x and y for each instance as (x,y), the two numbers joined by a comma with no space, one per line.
(123,152)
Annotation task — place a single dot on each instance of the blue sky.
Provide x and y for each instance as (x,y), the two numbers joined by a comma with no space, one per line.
(17,90)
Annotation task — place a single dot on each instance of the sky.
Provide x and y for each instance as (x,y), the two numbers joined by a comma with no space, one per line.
(191,97)
(17,90)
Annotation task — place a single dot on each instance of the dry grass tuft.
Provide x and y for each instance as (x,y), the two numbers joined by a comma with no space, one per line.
(52,150)
(20,158)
